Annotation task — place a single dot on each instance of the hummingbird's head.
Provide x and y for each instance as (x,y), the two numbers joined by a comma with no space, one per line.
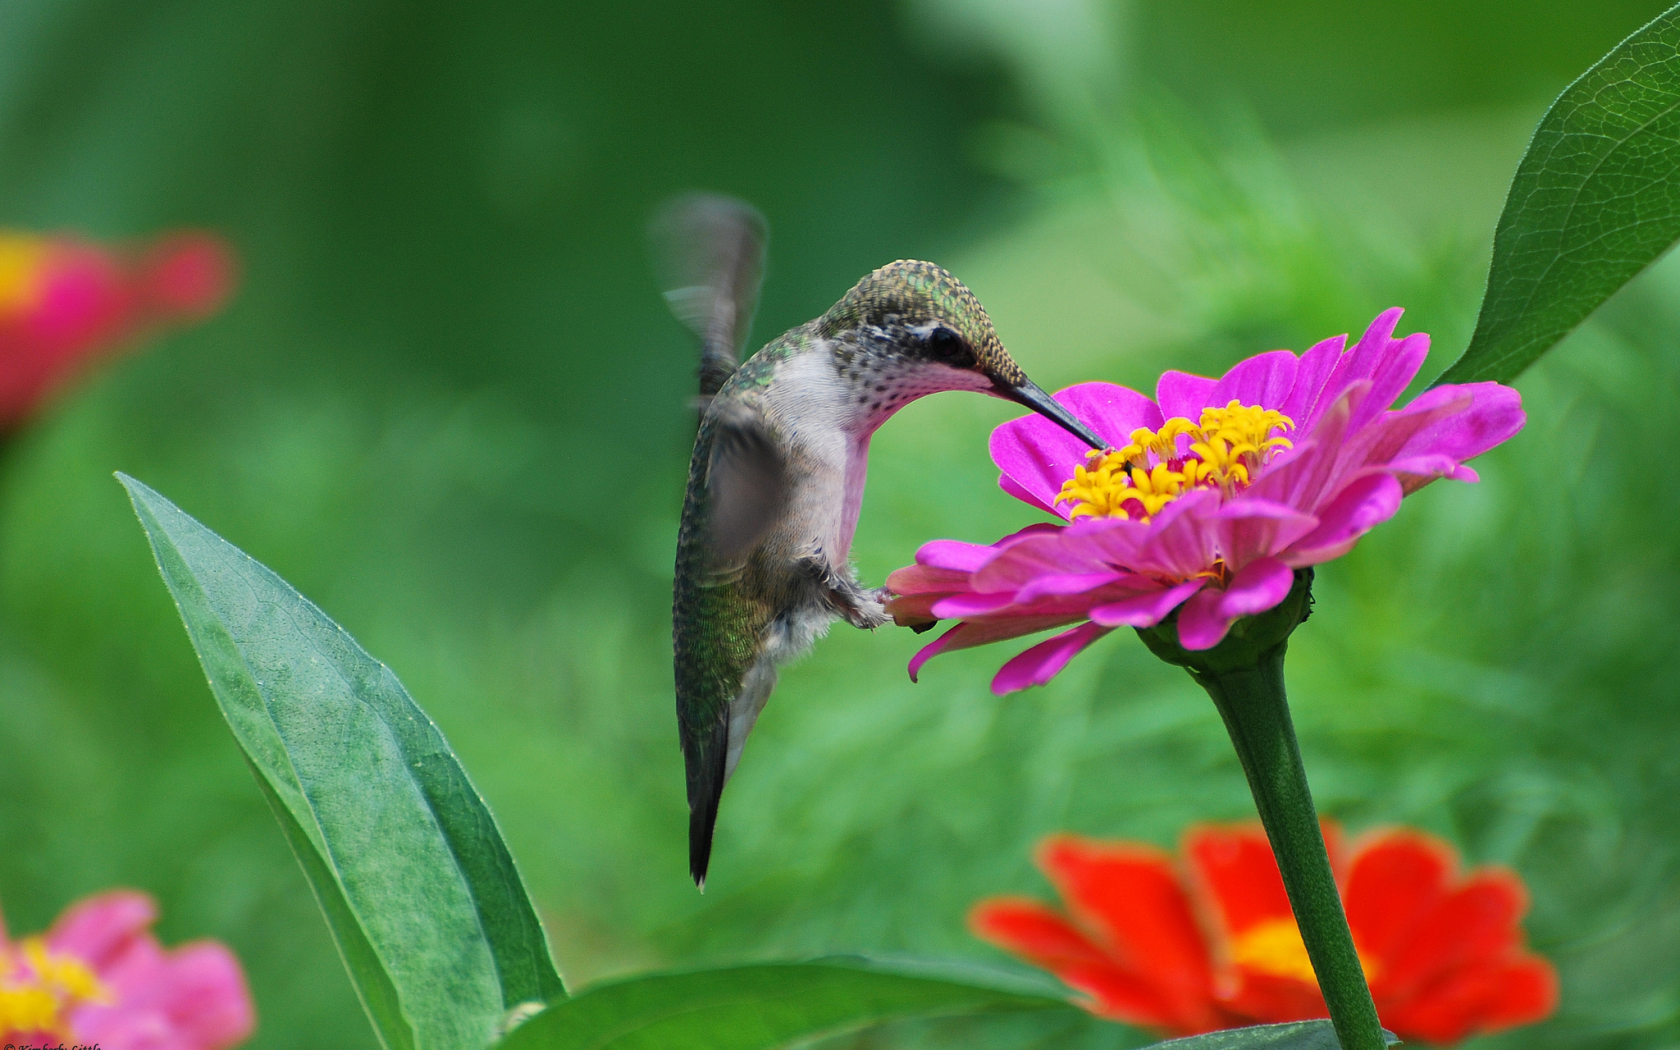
(911,329)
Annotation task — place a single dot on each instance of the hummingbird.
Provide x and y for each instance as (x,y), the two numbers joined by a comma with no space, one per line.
(777,475)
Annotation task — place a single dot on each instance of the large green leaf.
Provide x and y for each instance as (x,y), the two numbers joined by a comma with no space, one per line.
(1296,1035)
(415,881)
(1595,200)
(760,1006)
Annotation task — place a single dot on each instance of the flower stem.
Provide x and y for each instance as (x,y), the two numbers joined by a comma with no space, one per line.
(1244,676)
(1256,712)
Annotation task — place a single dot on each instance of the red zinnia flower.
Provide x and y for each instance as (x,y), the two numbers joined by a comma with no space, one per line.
(1217,946)
(64,302)
(99,978)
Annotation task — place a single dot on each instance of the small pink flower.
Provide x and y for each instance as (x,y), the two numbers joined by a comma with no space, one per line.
(65,302)
(1212,496)
(100,977)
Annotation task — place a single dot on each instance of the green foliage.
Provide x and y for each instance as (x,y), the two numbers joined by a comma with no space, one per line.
(1302,1035)
(1595,200)
(758,1007)
(405,859)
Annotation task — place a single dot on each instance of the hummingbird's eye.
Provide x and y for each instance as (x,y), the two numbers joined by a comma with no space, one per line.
(944,344)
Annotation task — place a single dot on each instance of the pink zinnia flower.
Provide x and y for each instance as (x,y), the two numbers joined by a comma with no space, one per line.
(65,302)
(1213,495)
(100,977)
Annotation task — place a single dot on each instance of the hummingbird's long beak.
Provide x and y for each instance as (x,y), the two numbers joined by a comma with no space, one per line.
(1033,396)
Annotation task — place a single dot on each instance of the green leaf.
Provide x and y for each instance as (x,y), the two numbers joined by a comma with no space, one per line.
(1296,1035)
(416,884)
(1595,200)
(759,1007)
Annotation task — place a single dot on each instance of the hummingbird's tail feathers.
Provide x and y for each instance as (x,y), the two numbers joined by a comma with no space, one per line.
(709,253)
(706,760)
(711,761)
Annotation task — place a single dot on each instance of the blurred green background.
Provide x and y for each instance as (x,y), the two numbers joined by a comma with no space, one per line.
(448,405)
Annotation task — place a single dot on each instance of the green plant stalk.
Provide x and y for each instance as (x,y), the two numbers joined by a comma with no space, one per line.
(1244,677)
(1256,712)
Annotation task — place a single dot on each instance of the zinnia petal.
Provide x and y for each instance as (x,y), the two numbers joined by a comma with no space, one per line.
(1208,615)
(1264,379)
(1363,505)
(1130,895)
(1182,395)
(1145,610)
(1039,455)
(1045,660)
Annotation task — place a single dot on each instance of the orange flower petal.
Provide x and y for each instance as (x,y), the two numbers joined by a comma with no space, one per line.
(1233,867)
(1395,878)
(1047,939)
(1474,923)
(1478,999)
(1129,896)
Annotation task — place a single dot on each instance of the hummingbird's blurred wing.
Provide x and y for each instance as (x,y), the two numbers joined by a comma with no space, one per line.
(709,254)
(747,488)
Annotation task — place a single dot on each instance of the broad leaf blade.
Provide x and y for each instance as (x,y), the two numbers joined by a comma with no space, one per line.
(1295,1035)
(415,880)
(1595,200)
(756,1007)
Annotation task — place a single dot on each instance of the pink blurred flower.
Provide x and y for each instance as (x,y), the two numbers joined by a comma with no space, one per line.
(65,302)
(1292,461)
(100,977)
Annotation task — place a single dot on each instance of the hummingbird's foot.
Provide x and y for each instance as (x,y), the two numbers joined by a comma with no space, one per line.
(863,609)
(859,607)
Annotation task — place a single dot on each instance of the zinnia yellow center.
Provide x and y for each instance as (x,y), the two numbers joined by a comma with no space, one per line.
(1225,451)
(1274,947)
(39,997)
(20,272)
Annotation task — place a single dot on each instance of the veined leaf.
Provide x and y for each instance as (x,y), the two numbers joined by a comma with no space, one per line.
(1295,1035)
(416,884)
(758,1007)
(1595,200)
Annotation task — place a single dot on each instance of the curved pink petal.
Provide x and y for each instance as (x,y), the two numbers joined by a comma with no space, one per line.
(1207,617)
(920,579)
(1056,554)
(1045,660)
(1182,395)
(1494,416)
(954,555)
(1040,456)
(103,928)
(1181,540)
(1250,529)
(1393,373)
(1304,475)
(1310,376)
(971,633)
(1381,440)
(971,603)
(1013,487)
(1264,379)
(1415,472)
(1199,624)
(192,998)
(1366,357)
(1145,610)
(1364,504)
(1061,585)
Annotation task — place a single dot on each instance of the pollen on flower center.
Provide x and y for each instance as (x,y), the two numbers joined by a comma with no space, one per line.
(40,990)
(1223,451)
(1274,947)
